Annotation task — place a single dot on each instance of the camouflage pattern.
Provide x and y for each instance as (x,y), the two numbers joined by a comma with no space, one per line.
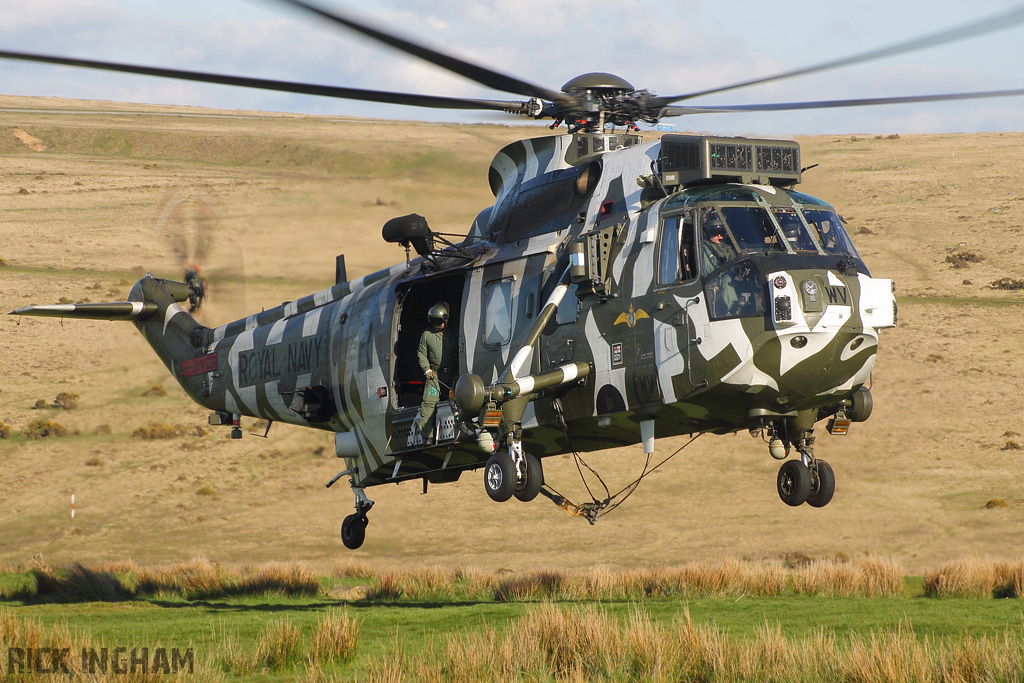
(781,333)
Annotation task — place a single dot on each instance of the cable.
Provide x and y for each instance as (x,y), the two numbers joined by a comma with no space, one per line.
(597,509)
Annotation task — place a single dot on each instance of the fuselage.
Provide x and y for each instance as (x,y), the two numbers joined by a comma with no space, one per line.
(776,315)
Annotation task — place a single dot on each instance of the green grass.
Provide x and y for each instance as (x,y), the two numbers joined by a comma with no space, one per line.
(231,636)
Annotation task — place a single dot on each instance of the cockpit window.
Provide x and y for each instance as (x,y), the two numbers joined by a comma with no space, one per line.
(718,245)
(752,228)
(737,291)
(794,230)
(829,231)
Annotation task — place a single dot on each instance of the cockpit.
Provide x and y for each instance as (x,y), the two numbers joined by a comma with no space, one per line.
(730,237)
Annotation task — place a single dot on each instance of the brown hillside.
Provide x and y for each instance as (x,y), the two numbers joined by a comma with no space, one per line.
(88,187)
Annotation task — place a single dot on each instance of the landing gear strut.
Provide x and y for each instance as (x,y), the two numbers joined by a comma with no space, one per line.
(353,528)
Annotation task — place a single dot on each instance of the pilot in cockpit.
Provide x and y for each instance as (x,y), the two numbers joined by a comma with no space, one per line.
(717,248)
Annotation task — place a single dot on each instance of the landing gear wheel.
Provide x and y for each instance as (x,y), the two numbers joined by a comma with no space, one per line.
(533,480)
(823,485)
(353,530)
(500,477)
(861,405)
(794,483)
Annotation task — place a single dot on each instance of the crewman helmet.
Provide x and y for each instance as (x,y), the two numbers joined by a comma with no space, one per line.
(438,314)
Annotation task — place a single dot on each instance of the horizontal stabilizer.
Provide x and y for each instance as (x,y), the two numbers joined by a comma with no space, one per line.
(118,310)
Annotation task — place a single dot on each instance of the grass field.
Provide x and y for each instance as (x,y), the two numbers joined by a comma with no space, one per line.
(858,620)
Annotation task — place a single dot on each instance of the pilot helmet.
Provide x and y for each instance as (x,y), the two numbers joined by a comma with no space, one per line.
(438,314)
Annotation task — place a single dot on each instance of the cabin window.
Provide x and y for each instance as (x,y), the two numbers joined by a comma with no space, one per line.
(498,313)
(676,257)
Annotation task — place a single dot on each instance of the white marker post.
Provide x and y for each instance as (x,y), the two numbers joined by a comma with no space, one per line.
(72,506)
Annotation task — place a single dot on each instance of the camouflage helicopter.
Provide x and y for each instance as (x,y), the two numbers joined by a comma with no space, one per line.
(617,291)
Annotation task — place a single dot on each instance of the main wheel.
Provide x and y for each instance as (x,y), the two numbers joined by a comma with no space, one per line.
(353,531)
(530,487)
(823,485)
(500,477)
(794,483)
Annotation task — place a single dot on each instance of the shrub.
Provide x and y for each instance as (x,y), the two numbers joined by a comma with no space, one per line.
(5,431)
(40,429)
(66,401)
(962,259)
(157,430)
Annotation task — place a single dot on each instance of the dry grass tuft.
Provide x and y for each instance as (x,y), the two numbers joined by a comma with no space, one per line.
(279,645)
(534,585)
(866,577)
(976,577)
(5,431)
(349,569)
(335,637)
(77,584)
(293,579)
(201,579)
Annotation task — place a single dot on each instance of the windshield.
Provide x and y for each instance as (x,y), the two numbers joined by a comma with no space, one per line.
(729,231)
(830,233)
(793,228)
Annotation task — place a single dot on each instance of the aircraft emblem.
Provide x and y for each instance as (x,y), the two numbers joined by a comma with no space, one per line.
(630,317)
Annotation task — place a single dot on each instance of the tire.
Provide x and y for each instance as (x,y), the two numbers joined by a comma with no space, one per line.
(500,477)
(353,531)
(823,485)
(794,483)
(861,405)
(529,489)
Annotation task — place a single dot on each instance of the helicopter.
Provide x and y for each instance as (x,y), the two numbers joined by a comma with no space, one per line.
(617,291)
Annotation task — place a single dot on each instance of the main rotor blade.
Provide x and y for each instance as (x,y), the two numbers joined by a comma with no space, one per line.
(278,86)
(475,72)
(1006,20)
(831,104)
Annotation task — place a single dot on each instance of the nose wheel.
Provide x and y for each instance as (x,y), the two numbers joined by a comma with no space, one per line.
(794,483)
(813,484)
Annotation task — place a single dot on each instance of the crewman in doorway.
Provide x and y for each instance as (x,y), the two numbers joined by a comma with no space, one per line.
(437,356)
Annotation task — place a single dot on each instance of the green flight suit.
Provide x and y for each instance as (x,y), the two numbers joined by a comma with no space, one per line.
(438,354)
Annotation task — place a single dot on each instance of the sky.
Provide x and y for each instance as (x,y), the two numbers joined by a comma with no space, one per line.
(667,48)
